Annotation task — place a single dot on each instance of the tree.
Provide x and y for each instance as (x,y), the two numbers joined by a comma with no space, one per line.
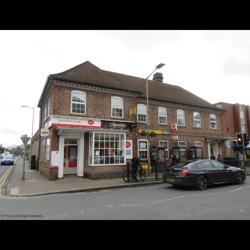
(2,149)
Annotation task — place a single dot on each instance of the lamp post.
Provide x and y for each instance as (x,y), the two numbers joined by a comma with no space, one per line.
(157,67)
(25,140)
(24,106)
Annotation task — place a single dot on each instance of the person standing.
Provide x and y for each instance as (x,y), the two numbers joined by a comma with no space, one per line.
(212,157)
(135,166)
(219,157)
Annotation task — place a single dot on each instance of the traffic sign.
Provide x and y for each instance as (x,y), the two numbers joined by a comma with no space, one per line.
(25,139)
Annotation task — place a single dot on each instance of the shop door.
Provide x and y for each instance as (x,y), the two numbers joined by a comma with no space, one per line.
(70,156)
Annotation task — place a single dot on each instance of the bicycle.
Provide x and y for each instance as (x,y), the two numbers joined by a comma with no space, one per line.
(129,176)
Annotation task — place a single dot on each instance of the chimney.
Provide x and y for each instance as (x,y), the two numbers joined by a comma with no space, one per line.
(158,77)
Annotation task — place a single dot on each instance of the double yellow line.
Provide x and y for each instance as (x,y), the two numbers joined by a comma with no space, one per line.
(5,176)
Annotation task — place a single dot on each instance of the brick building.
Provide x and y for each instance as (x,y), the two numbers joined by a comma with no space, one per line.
(96,120)
(236,119)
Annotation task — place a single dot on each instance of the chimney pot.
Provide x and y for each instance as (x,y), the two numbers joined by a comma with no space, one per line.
(158,77)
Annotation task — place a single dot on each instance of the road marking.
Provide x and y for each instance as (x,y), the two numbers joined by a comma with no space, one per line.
(32,180)
(4,176)
(130,205)
(235,190)
(14,190)
(109,205)
(198,195)
(169,199)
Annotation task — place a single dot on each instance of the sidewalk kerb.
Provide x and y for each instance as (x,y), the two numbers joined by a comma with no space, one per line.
(92,189)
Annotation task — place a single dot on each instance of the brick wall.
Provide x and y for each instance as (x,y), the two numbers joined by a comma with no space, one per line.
(98,104)
(228,120)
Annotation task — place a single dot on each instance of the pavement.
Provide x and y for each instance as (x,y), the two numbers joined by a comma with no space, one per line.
(35,183)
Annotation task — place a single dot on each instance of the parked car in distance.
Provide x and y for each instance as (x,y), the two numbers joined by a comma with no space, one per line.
(7,160)
(203,173)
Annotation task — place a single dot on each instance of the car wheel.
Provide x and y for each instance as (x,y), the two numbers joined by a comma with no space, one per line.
(201,182)
(240,178)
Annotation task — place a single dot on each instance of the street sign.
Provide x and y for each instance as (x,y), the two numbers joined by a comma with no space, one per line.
(44,132)
(25,139)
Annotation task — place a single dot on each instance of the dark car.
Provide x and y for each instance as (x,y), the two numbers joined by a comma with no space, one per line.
(7,160)
(203,173)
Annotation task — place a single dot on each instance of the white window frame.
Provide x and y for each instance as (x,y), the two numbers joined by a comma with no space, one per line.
(162,112)
(167,148)
(184,142)
(117,106)
(92,149)
(214,122)
(197,119)
(141,113)
(178,113)
(198,144)
(84,103)
(144,150)
(165,141)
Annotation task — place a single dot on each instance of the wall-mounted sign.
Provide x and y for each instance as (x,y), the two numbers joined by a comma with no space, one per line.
(44,132)
(54,159)
(156,132)
(129,149)
(73,121)
(174,127)
(114,125)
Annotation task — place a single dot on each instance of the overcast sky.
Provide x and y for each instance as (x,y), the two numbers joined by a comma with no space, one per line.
(214,65)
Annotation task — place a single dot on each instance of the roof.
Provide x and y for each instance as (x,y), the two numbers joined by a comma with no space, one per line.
(88,73)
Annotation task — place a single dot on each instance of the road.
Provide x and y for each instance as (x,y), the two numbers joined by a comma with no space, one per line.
(158,202)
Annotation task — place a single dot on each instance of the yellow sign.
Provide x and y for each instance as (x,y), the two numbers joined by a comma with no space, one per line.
(132,111)
(157,132)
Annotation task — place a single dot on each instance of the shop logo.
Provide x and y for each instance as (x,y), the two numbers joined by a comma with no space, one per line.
(91,122)
(128,144)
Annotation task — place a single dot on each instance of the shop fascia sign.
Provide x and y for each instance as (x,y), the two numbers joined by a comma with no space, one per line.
(156,132)
(72,121)
(114,125)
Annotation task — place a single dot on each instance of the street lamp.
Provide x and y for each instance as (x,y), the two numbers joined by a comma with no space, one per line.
(25,140)
(157,67)
(24,106)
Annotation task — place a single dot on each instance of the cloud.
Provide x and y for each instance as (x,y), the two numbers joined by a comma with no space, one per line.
(235,66)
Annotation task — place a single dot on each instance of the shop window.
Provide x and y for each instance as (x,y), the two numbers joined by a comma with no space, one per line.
(78,102)
(141,113)
(162,115)
(107,148)
(117,106)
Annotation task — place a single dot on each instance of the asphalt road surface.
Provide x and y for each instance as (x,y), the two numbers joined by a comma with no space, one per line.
(157,202)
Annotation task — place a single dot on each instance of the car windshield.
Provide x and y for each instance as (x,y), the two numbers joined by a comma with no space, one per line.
(8,157)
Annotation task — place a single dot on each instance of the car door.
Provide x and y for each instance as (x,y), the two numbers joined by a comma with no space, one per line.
(209,170)
(222,174)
